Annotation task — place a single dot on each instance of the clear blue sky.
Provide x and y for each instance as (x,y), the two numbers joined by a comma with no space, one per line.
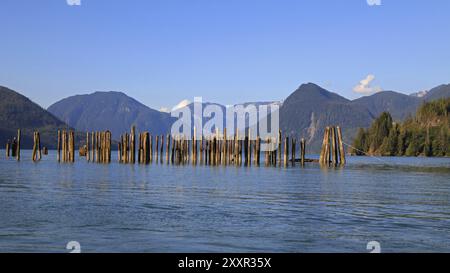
(227,51)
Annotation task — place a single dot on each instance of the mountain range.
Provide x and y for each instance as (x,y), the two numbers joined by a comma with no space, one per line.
(112,111)
(17,111)
(304,113)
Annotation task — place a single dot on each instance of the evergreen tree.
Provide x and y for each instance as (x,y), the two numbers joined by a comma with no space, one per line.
(359,143)
(425,134)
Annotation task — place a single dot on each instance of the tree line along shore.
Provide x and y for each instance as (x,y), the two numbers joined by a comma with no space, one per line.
(426,133)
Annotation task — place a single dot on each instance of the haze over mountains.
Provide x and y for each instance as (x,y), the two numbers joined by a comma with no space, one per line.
(304,113)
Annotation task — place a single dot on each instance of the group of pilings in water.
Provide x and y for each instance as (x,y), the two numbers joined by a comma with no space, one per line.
(13,148)
(98,147)
(212,150)
(66,146)
(332,151)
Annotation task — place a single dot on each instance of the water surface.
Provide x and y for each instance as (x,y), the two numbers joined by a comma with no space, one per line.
(403,203)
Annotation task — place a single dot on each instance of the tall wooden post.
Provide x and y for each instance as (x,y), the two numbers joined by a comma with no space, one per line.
(303,151)
(162,148)
(18,145)
(157,148)
(88,153)
(133,145)
(58,147)
(293,151)
(322,150)
(33,154)
(286,151)
(7,148)
(72,146)
(258,150)
(334,151)
(341,146)
(39,145)
(279,147)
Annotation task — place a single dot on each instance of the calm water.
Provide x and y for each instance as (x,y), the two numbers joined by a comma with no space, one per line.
(403,203)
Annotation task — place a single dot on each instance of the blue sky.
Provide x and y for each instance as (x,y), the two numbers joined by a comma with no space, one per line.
(227,51)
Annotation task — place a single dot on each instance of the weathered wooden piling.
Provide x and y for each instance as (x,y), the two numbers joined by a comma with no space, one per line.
(303,151)
(167,149)
(72,146)
(162,148)
(323,151)
(58,147)
(279,147)
(157,149)
(36,154)
(133,145)
(293,146)
(146,147)
(18,145)
(8,146)
(88,154)
(341,146)
(332,147)
(92,156)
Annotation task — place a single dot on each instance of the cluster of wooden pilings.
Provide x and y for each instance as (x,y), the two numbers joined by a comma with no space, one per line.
(66,146)
(332,147)
(127,147)
(216,149)
(13,148)
(277,155)
(37,154)
(98,147)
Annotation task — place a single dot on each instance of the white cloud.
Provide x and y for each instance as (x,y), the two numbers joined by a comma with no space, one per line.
(181,104)
(164,109)
(365,88)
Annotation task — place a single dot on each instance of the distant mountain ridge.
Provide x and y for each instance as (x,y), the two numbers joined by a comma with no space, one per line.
(112,111)
(307,111)
(17,111)
(399,105)
(303,114)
